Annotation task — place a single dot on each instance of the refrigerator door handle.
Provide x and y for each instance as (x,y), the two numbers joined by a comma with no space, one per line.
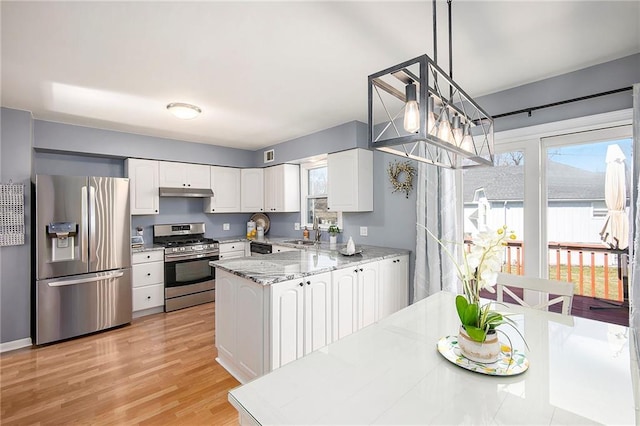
(73,281)
(92,223)
(83,223)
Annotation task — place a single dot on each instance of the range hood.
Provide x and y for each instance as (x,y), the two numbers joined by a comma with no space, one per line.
(186,192)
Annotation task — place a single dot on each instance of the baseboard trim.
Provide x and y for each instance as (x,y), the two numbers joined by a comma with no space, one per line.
(149,311)
(231,369)
(15,344)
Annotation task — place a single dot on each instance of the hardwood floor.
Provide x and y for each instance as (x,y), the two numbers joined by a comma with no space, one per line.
(161,369)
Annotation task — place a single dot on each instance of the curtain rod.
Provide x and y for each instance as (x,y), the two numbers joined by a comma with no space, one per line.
(582,98)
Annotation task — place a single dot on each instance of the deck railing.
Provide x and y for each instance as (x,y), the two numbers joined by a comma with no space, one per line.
(593,269)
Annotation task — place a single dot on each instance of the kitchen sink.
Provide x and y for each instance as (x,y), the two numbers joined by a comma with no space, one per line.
(300,242)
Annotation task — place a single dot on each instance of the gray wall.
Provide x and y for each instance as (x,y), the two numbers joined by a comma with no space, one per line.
(599,78)
(15,267)
(48,163)
(339,138)
(58,137)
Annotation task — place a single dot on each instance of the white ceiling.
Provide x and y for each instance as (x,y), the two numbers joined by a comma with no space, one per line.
(266,72)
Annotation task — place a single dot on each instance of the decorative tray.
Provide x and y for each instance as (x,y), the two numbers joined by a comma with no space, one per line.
(261,219)
(343,251)
(507,365)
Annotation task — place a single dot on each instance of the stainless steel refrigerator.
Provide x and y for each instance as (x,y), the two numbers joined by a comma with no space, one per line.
(83,256)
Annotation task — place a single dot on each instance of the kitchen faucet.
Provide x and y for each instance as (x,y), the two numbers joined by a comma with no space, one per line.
(316,228)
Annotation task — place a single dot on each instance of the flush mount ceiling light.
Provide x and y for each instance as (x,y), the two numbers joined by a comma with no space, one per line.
(184,111)
(435,121)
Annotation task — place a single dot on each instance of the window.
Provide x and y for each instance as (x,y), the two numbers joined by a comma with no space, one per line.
(314,188)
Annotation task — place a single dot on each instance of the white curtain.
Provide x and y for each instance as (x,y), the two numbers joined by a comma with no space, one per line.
(634,288)
(436,210)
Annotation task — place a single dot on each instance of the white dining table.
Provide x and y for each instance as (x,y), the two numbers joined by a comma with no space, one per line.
(580,372)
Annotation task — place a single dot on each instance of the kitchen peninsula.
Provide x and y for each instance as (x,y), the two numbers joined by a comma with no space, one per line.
(273,309)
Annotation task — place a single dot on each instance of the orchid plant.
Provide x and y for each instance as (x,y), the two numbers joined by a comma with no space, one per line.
(479,270)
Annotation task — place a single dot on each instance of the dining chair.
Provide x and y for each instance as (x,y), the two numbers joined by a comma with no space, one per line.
(563,291)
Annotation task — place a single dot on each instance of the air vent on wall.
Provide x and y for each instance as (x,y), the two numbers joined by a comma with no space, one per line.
(269,156)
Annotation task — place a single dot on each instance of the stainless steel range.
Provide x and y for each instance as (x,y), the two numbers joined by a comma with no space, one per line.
(188,278)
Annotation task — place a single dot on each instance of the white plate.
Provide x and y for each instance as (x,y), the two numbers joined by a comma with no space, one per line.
(343,252)
(507,365)
(261,219)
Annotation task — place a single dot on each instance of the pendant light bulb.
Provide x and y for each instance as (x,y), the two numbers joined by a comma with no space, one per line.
(431,116)
(457,130)
(411,109)
(467,139)
(444,129)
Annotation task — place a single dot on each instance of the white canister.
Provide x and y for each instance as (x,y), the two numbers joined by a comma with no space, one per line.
(260,233)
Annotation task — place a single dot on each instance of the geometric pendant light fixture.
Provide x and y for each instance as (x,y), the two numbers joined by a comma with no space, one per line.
(417,111)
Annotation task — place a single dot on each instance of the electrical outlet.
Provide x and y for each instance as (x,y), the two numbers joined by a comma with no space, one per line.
(296,226)
(225,226)
(364,231)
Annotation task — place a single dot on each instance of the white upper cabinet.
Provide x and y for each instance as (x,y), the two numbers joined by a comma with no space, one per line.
(350,178)
(184,175)
(143,185)
(282,188)
(252,190)
(225,184)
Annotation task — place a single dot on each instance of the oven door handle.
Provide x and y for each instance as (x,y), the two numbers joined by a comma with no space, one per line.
(189,256)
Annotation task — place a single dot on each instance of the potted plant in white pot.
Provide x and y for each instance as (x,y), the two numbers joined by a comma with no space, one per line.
(333,234)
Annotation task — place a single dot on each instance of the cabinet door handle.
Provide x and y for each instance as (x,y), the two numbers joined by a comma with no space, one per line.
(148,297)
(301,284)
(156,211)
(360,269)
(308,282)
(148,256)
(184,184)
(355,270)
(148,274)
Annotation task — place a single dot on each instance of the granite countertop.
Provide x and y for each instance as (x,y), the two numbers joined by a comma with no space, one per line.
(147,247)
(267,240)
(272,268)
(231,239)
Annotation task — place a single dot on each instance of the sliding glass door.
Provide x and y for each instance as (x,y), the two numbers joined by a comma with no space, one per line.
(587,179)
(550,187)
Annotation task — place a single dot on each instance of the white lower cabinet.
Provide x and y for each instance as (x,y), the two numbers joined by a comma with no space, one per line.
(240,322)
(280,249)
(147,282)
(262,327)
(300,317)
(233,250)
(355,298)
(393,286)
(147,297)
(345,297)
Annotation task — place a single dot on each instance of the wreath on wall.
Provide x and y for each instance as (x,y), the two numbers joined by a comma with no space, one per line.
(401,176)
